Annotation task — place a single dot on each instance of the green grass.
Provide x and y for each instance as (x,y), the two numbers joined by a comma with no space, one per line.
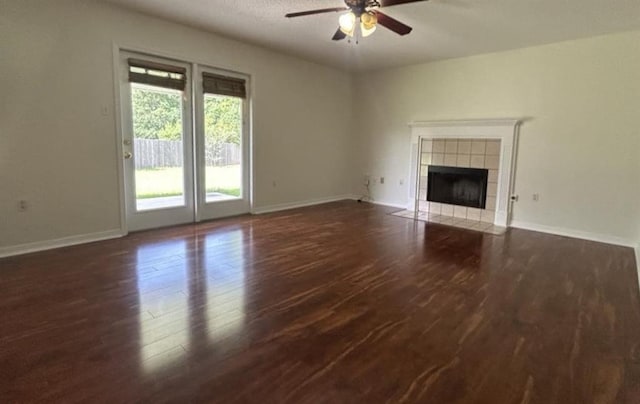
(159,182)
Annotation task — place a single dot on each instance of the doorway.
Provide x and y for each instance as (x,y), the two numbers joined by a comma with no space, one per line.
(185,142)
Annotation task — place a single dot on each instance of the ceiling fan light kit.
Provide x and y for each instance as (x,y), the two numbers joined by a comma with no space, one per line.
(368,23)
(362,15)
(347,23)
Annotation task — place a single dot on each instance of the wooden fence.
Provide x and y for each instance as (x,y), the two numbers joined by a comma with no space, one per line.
(152,153)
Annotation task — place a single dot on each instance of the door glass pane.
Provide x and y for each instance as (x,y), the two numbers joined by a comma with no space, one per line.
(223,156)
(158,147)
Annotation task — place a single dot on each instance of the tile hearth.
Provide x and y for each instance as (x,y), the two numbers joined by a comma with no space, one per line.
(452,221)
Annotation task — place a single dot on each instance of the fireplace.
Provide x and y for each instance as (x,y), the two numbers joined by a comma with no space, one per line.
(458,186)
(476,144)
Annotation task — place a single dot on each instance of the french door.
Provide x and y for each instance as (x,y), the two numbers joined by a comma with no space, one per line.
(185,142)
(222,143)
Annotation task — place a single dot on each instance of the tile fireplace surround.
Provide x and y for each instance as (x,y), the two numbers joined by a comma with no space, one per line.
(469,153)
(488,144)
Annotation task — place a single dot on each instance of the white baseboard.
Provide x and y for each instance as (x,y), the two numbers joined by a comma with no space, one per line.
(57,243)
(382,203)
(389,204)
(319,201)
(299,204)
(602,238)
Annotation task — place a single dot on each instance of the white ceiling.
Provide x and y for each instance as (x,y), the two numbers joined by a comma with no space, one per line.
(442,29)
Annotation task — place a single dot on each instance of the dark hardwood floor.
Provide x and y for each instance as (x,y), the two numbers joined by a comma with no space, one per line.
(339,303)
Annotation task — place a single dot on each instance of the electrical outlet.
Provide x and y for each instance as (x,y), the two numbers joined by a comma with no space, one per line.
(366,180)
(382,180)
(536,197)
(22,206)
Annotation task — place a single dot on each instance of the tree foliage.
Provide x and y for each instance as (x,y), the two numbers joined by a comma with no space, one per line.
(157,114)
(222,119)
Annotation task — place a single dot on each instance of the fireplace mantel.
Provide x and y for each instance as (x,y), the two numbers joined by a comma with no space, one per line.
(506,130)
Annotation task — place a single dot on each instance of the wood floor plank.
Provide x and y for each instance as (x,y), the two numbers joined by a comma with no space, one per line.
(335,303)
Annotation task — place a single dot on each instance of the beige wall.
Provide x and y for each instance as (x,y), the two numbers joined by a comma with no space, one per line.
(58,152)
(579,146)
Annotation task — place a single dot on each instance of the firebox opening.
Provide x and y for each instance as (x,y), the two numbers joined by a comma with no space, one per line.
(458,186)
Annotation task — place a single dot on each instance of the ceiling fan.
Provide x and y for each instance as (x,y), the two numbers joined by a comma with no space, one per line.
(367,11)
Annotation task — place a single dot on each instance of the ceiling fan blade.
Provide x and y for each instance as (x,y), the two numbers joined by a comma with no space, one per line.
(319,11)
(339,35)
(388,3)
(392,24)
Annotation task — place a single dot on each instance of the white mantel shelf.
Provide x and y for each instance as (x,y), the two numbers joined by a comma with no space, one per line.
(506,130)
(512,122)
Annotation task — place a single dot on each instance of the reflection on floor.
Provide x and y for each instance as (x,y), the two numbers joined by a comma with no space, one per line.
(166,295)
(452,221)
(176,201)
(338,303)
(163,289)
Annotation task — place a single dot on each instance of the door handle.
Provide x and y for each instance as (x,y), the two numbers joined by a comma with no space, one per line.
(127,155)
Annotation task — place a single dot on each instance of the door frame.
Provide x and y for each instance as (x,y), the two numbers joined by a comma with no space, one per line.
(147,219)
(117,49)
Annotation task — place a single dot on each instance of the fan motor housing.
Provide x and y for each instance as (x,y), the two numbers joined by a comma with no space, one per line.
(359,7)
